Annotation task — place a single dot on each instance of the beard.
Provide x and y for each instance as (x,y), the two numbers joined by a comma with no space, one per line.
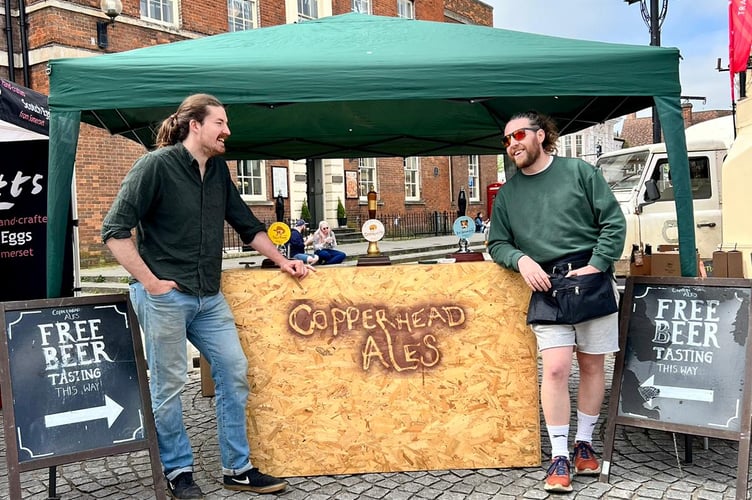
(213,148)
(527,159)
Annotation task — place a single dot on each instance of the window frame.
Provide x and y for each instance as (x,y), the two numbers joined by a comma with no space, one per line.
(358,3)
(145,11)
(244,24)
(403,5)
(367,177)
(411,166)
(473,178)
(242,175)
(314,7)
(699,179)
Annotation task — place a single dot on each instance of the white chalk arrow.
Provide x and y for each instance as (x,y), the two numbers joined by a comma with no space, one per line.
(667,391)
(111,410)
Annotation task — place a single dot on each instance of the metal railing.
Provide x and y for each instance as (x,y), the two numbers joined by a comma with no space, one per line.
(397,226)
(412,224)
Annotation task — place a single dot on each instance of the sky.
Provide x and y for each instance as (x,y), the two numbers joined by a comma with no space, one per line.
(698,28)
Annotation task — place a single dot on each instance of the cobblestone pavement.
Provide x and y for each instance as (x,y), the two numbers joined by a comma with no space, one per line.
(647,464)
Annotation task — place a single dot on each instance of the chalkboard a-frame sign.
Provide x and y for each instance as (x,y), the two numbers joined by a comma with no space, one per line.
(684,363)
(74,384)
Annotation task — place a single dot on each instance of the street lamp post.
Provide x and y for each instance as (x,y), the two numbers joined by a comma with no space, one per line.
(653,19)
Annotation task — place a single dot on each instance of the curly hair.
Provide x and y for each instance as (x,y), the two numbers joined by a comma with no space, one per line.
(546,123)
(174,128)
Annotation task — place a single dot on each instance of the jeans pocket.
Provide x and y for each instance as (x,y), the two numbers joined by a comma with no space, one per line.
(161,295)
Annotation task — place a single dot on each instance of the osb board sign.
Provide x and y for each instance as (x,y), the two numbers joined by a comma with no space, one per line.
(388,368)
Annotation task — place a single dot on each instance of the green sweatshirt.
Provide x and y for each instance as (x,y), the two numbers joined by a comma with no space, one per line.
(565,209)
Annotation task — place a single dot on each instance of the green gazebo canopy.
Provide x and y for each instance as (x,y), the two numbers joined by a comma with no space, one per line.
(364,86)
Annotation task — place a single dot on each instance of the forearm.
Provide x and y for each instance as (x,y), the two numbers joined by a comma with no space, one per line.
(262,244)
(127,255)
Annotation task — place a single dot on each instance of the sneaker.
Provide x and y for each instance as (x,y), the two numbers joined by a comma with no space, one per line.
(558,478)
(313,259)
(585,461)
(183,487)
(255,481)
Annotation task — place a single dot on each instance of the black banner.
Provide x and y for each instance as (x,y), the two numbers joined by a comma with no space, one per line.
(23,220)
(24,108)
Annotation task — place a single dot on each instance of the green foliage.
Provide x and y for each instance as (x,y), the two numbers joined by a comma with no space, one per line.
(305,214)
(341,214)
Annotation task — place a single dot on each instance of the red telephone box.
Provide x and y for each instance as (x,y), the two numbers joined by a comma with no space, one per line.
(491,191)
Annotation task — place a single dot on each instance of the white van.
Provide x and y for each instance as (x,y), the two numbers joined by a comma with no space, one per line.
(641,181)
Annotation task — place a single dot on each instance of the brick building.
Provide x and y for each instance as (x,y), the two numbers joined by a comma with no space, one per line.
(41,30)
(638,131)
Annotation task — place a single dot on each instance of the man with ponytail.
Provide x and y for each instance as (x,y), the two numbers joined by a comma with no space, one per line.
(177,197)
(558,224)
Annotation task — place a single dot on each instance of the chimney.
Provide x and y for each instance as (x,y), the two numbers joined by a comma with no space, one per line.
(686,108)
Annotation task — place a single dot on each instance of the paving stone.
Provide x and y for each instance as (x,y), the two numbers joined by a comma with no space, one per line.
(644,466)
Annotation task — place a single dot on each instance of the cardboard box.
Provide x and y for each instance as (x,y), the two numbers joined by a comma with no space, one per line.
(642,269)
(665,264)
(720,264)
(735,265)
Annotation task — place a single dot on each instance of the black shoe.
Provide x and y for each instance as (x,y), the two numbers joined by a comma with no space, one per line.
(183,487)
(255,481)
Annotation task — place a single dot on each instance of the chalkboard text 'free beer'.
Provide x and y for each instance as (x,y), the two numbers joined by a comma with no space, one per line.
(684,360)
(76,366)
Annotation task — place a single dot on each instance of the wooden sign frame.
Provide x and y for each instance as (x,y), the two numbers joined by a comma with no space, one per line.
(653,375)
(83,356)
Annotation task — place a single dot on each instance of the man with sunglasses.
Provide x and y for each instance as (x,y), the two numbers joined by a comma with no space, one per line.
(556,221)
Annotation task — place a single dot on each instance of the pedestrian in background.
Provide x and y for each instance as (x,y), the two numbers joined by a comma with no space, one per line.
(298,244)
(324,243)
(178,197)
(558,224)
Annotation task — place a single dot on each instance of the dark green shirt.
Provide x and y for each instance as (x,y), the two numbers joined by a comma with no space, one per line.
(179,218)
(567,208)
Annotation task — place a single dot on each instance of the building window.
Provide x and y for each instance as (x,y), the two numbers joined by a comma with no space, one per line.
(577,146)
(362,6)
(406,9)
(473,178)
(252,180)
(308,9)
(367,175)
(164,11)
(567,147)
(412,178)
(242,15)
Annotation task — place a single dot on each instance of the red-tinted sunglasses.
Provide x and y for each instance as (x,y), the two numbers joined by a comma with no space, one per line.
(517,135)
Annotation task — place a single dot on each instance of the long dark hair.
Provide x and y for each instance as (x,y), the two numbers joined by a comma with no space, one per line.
(546,123)
(174,128)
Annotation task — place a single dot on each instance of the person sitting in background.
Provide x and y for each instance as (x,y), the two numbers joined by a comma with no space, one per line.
(324,242)
(479,222)
(297,244)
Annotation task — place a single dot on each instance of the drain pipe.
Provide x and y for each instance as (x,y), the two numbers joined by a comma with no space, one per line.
(24,41)
(9,42)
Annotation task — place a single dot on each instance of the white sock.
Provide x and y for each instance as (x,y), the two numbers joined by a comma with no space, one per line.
(585,426)
(558,435)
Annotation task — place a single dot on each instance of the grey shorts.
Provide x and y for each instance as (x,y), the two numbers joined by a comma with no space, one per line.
(594,336)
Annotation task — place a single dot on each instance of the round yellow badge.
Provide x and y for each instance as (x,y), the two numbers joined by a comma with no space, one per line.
(279,233)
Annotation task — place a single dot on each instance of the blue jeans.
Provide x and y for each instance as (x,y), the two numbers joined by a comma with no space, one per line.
(207,322)
(330,256)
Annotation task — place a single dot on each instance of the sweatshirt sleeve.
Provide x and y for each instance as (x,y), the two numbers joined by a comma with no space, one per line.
(500,237)
(610,220)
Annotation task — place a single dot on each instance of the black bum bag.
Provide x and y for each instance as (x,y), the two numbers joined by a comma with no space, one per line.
(572,300)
